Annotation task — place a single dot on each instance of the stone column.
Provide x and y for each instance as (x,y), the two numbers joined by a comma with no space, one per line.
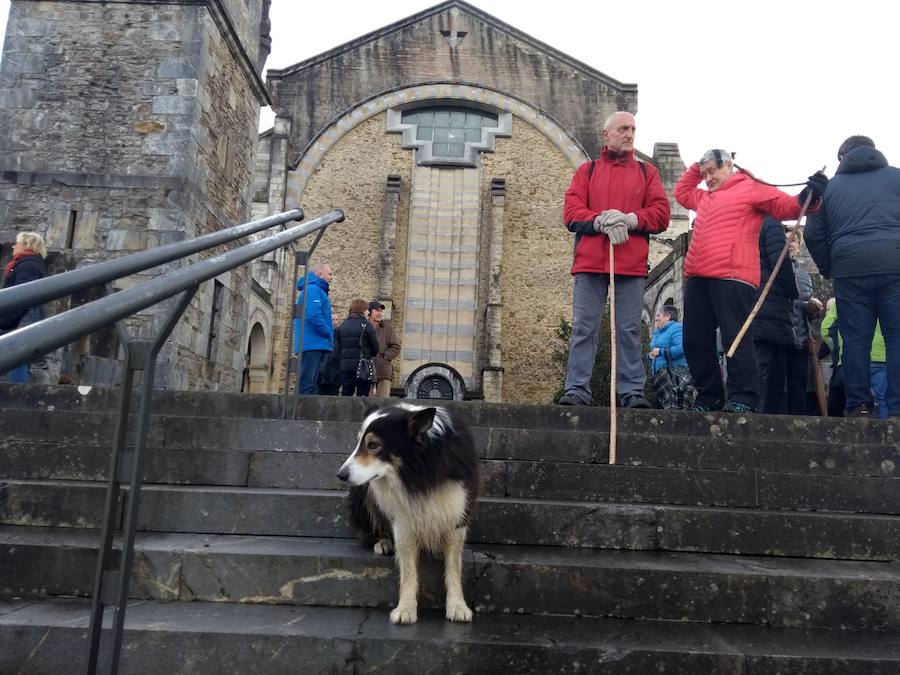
(389,240)
(492,374)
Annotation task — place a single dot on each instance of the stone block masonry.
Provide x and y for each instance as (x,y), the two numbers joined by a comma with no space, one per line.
(130,125)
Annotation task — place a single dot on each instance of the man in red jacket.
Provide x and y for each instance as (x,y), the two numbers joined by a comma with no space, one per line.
(722,272)
(620,200)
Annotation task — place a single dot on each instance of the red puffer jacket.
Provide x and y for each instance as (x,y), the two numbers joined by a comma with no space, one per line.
(614,184)
(725,242)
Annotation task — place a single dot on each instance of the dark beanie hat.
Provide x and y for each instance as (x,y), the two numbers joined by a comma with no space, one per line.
(854,142)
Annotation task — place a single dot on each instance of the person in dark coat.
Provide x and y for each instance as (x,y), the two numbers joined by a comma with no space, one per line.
(355,338)
(855,239)
(781,328)
(27,264)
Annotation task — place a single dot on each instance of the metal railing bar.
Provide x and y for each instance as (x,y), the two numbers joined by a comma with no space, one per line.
(30,342)
(60,285)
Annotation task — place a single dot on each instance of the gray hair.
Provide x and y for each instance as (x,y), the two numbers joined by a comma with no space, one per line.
(609,120)
(716,155)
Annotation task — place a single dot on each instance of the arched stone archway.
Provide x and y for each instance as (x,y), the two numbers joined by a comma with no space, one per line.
(460,242)
(256,370)
(437,92)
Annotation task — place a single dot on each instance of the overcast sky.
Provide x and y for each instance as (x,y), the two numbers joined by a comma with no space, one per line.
(782,83)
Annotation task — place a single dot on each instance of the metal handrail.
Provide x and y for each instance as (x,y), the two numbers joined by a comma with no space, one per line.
(112,578)
(60,285)
(28,343)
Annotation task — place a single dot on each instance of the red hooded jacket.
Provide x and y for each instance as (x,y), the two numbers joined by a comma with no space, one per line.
(725,242)
(619,184)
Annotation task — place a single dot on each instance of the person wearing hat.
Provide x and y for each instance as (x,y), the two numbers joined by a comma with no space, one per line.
(388,349)
(855,240)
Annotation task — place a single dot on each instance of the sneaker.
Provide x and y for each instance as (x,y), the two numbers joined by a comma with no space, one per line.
(737,407)
(635,401)
(700,408)
(569,399)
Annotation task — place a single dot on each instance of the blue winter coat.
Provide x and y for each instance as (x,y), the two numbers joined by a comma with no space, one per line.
(857,230)
(671,347)
(318,331)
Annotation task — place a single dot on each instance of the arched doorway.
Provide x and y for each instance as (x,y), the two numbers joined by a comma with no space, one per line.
(256,370)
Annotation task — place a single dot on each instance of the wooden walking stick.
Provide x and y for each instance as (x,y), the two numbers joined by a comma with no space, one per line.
(762,296)
(818,380)
(612,357)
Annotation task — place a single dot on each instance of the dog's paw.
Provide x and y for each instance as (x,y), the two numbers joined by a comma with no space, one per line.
(404,614)
(459,611)
(384,546)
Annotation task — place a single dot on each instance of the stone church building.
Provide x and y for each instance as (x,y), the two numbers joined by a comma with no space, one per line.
(448,138)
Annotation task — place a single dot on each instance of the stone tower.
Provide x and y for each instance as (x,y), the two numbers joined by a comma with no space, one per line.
(129,125)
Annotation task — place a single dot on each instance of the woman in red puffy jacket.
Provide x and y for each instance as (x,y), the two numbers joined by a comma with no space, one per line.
(722,272)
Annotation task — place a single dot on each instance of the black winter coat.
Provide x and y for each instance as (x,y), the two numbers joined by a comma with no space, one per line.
(347,341)
(773,323)
(29,268)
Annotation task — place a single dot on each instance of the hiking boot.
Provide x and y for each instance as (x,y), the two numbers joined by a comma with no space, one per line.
(570,399)
(635,401)
(737,407)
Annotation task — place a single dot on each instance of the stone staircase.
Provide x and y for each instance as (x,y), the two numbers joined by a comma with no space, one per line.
(718,544)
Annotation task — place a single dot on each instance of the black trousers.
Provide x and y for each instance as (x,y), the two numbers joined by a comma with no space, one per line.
(724,304)
(783,371)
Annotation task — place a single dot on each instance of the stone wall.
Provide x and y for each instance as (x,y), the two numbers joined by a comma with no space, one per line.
(537,255)
(127,126)
(352,177)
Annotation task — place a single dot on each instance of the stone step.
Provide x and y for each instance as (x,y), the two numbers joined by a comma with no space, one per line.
(729,428)
(498,520)
(787,592)
(878,456)
(315,468)
(50,637)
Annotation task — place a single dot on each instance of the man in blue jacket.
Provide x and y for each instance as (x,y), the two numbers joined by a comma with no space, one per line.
(318,329)
(855,239)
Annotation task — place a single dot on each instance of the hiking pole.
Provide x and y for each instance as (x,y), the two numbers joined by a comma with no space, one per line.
(762,296)
(612,357)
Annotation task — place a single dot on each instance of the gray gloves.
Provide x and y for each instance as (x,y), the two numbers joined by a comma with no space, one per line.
(615,225)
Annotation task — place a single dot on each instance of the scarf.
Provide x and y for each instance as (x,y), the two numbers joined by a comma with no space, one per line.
(16,258)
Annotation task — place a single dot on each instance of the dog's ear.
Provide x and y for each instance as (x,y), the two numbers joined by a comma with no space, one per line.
(420,422)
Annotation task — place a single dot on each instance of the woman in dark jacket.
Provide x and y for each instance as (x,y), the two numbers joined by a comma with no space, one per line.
(781,328)
(27,264)
(355,338)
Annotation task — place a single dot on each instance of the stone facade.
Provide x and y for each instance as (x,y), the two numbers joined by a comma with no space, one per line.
(493,219)
(130,125)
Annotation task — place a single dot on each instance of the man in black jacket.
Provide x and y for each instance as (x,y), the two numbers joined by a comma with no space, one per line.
(855,239)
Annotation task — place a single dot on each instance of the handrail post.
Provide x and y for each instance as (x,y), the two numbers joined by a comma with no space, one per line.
(300,258)
(142,355)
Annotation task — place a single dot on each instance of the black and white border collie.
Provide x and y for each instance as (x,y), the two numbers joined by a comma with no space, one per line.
(414,483)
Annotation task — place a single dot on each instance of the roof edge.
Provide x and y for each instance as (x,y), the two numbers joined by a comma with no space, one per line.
(591,72)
